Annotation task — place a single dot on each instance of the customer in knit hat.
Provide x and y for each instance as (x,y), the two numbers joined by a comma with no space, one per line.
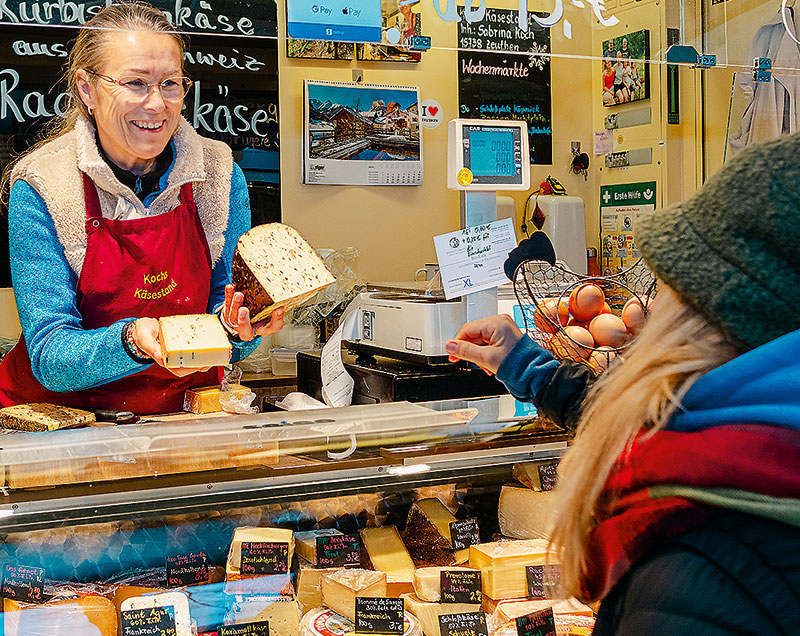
(679,500)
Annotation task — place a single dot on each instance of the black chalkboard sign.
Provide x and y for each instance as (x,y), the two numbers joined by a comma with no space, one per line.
(338,550)
(245,629)
(543,580)
(152,621)
(548,475)
(23,583)
(505,74)
(187,569)
(470,624)
(265,557)
(464,533)
(378,615)
(460,586)
(234,98)
(540,623)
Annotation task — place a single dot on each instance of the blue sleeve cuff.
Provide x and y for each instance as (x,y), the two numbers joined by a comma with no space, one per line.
(527,369)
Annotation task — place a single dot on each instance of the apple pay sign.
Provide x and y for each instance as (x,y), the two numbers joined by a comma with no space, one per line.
(431,113)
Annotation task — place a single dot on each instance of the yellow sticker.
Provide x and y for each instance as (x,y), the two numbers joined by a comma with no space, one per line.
(620,139)
(464,176)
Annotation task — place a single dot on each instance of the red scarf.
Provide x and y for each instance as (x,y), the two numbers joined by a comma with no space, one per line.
(760,459)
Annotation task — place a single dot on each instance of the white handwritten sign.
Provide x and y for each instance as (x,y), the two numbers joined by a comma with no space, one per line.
(472,259)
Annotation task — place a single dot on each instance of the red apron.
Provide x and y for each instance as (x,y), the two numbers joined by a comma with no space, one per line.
(149,267)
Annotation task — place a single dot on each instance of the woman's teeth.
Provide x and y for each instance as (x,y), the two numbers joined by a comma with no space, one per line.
(148,125)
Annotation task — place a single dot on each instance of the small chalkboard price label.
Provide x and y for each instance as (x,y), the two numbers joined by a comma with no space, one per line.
(151,621)
(187,569)
(470,624)
(543,580)
(244,629)
(541,623)
(376,615)
(265,557)
(464,533)
(548,475)
(23,583)
(338,550)
(460,586)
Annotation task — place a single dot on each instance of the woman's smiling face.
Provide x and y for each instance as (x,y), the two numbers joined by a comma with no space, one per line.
(134,130)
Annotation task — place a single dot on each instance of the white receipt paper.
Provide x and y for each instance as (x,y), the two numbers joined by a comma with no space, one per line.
(337,385)
(471,259)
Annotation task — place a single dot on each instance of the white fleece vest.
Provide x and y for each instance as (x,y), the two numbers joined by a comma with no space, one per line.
(54,171)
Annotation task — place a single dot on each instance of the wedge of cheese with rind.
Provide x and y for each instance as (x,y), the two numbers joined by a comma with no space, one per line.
(341,588)
(282,613)
(526,514)
(428,613)
(193,340)
(427,534)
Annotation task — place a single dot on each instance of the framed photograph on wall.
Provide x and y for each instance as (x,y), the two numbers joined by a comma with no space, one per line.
(320,49)
(401,20)
(626,71)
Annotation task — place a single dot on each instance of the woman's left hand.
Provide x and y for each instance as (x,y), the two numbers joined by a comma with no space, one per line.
(237,317)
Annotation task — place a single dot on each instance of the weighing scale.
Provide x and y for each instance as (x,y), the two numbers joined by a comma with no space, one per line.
(484,156)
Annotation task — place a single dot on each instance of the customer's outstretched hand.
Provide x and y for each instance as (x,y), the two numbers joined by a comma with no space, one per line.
(486,342)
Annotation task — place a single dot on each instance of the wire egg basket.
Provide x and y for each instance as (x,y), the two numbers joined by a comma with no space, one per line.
(544,292)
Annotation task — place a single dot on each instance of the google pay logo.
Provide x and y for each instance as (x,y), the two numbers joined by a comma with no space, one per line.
(321,8)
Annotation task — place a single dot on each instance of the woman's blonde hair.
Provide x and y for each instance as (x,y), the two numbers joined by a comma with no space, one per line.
(676,347)
(88,53)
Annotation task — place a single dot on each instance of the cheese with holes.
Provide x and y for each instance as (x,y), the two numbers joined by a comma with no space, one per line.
(206,399)
(273,267)
(193,340)
(502,565)
(282,612)
(322,621)
(39,416)
(177,600)
(428,613)
(91,615)
(428,582)
(526,514)
(387,553)
(306,542)
(244,583)
(509,609)
(427,534)
(340,589)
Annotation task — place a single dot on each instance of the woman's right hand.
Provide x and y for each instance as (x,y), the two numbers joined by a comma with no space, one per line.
(486,342)
(145,336)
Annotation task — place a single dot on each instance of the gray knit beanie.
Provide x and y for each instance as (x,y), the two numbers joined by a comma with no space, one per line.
(732,250)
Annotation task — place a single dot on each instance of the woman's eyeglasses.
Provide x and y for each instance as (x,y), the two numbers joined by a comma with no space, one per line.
(172,89)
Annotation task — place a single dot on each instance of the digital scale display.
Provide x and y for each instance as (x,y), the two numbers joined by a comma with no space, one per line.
(493,154)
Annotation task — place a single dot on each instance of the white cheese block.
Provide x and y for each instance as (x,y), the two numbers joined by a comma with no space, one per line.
(340,589)
(282,612)
(306,542)
(509,609)
(427,582)
(429,613)
(309,590)
(247,534)
(427,533)
(177,600)
(526,514)
(273,267)
(387,553)
(193,340)
(502,565)
(322,621)
(238,583)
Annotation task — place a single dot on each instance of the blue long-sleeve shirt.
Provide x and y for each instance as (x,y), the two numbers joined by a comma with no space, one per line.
(65,356)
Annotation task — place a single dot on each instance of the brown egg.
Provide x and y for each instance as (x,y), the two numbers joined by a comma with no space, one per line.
(633,315)
(607,329)
(571,343)
(600,359)
(549,313)
(606,309)
(586,301)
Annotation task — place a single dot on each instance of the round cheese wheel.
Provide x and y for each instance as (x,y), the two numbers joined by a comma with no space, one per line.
(322,621)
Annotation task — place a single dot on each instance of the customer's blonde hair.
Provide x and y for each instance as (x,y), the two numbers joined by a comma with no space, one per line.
(675,348)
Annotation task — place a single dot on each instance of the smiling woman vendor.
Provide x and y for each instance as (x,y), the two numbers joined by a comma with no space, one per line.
(122,215)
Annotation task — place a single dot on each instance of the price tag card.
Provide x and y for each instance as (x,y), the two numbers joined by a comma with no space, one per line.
(540,623)
(460,586)
(543,580)
(187,569)
(265,557)
(471,624)
(23,583)
(376,615)
(151,621)
(464,533)
(548,475)
(338,550)
(245,629)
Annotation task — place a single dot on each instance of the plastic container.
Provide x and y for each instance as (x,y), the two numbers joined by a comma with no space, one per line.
(297,337)
(284,361)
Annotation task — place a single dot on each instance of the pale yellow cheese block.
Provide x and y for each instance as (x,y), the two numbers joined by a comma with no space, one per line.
(388,554)
(510,609)
(340,589)
(427,533)
(206,399)
(309,590)
(502,565)
(428,613)
(193,340)
(179,601)
(282,612)
(526,514)
(427,582)
(238,583)
(306,542)
(63,617)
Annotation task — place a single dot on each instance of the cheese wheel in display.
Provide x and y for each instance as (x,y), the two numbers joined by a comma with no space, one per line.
(88,615)
(40,416)
(341,588)
(273,267)
(193,340)
(428,582)
(526,514)
(502,565)
(282,612)
(428,613)
(322,621)
(427,534)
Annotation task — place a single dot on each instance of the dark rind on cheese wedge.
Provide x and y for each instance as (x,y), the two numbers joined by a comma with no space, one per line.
(256,298)
(39,416)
